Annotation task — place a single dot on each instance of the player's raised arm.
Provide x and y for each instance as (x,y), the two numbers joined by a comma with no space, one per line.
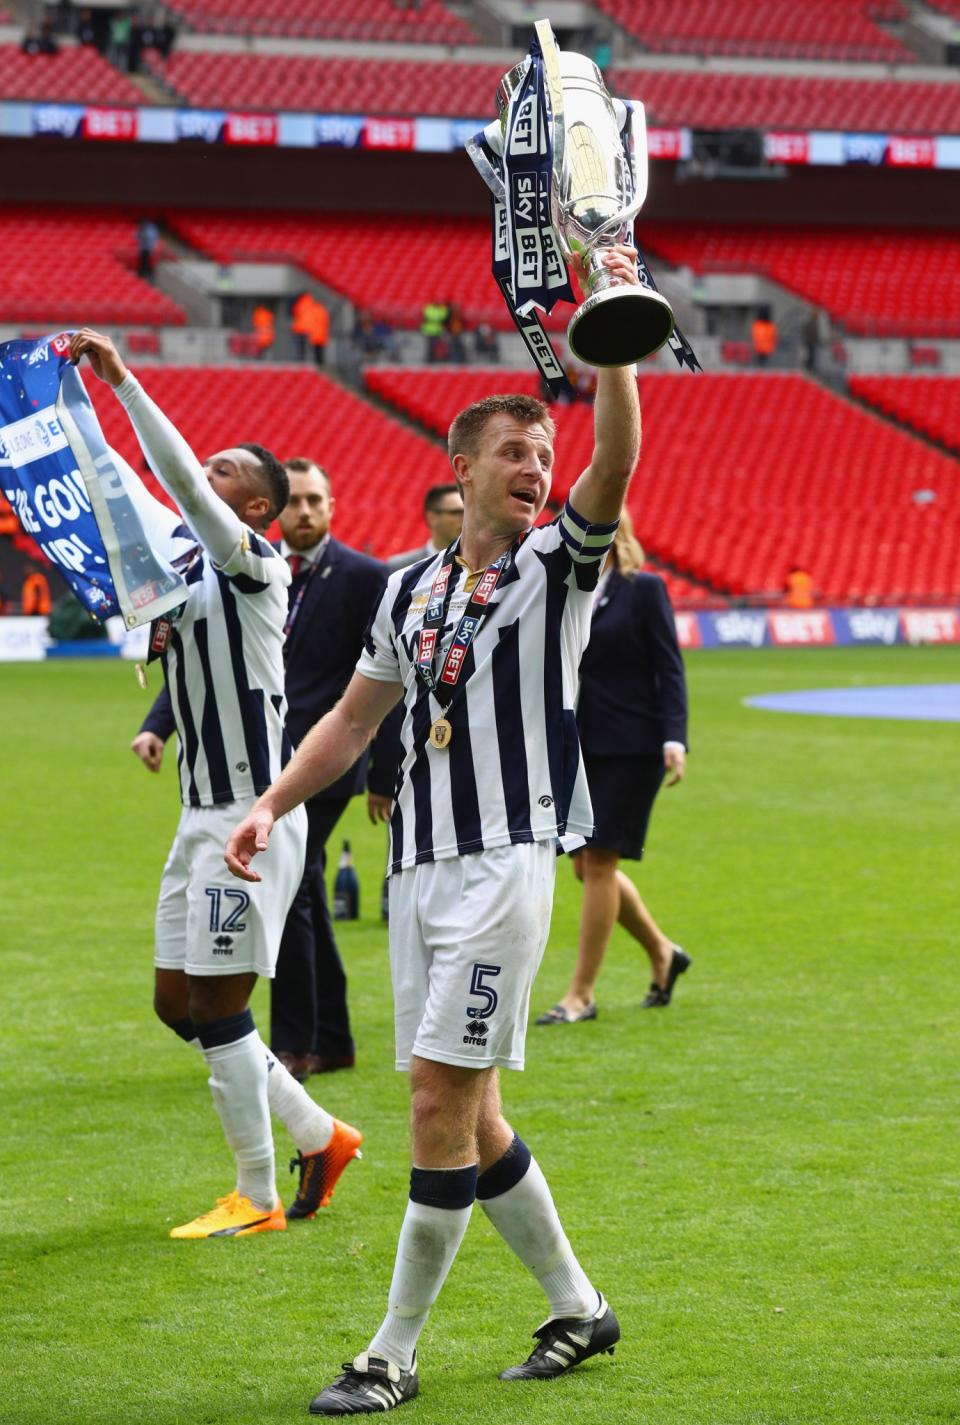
(329,749)
(212,521)
(599,493)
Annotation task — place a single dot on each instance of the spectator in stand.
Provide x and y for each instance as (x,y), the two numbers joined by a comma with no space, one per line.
(264,325)
(373,336)
(799,588)
(319,333)
(764,336)
(443,513)
(632,721)
(455,327)
(147,238)
(40,42)
(119,47)
(486,343)
(433,327)
(86,30)
(164,31)
(141,38)
(300,323)
(311,326)
(35,593)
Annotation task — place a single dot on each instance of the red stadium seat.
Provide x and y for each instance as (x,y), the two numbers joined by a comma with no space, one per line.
(744,475)
(876,282)
(445,259)
(930,404)
(74,75)
(343,86)
(64,266)
(816,29)
(428,22)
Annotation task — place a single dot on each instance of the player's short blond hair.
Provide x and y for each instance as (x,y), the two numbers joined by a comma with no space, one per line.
(465,433)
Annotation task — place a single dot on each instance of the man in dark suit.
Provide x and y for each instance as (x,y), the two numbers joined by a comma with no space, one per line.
(332,594)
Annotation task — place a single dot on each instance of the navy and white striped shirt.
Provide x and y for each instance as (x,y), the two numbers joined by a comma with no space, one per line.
(224,671)
(512,771)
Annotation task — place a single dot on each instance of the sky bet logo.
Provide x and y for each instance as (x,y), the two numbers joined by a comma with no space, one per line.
(525,136)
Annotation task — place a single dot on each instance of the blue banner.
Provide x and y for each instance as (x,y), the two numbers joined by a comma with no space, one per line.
(71,493)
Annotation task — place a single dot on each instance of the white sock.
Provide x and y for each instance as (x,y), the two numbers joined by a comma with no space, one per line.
(527,1220)
(309,1125)
(238,1082)
(429,1240)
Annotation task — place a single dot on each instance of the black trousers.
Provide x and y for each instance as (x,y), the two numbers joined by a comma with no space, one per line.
(308,996)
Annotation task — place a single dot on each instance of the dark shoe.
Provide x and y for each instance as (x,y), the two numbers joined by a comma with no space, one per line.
(659,995)
(368,1383)
(564,1343)
(320,1064)
(320,1172)
(296,1064)
(559,1015)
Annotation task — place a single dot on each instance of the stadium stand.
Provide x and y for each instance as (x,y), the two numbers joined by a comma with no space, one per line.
(888,282)
(929,404)
(777,101)
(946,7)
(818,29)
(373,86)
(428,22)
(384,86)
(743,476)
(74,75)
(379,468)
(392,266)
(63,265)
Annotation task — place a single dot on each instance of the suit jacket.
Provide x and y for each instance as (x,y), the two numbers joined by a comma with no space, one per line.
(410,556)
(633,693)
(321,652)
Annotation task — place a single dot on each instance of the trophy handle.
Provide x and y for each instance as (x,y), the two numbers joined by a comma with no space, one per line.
(482,164)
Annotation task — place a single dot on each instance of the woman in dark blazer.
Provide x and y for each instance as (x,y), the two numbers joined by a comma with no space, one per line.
(632,720)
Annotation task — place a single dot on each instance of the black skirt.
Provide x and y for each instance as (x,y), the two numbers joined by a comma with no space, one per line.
(623,790)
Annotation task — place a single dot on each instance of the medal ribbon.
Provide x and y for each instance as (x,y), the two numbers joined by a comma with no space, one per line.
(467,629)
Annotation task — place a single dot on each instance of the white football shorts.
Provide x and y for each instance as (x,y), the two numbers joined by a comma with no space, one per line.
(467,935)
(210,923)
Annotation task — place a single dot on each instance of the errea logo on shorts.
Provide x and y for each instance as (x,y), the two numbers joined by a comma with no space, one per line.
(476,1033)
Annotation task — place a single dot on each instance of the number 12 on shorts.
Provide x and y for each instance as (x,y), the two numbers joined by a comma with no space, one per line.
(240,901)
(481,991)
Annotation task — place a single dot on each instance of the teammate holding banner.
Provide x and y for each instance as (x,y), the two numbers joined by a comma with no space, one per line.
(223,663)
(483,643)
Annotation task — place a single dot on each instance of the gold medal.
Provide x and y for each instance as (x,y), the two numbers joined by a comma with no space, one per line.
(441,733)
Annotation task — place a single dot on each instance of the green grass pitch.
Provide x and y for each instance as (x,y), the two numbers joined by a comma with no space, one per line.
(763,1179)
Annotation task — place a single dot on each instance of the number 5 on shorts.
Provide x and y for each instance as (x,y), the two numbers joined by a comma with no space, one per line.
(482,991)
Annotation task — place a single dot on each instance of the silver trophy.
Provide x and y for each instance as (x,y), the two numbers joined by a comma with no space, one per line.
(599,186)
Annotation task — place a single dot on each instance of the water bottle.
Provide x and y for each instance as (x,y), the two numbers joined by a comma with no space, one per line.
(346,888)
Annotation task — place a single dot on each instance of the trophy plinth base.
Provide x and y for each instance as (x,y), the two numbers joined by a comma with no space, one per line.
(619,326)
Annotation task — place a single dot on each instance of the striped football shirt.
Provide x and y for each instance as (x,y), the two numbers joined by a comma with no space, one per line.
(224,669)
(512,771)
